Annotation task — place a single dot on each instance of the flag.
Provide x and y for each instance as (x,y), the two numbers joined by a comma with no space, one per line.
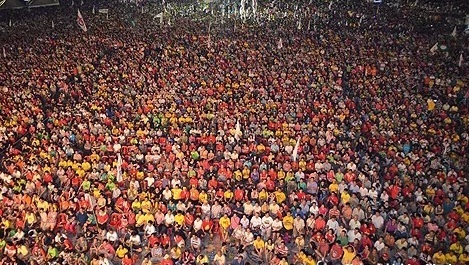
(103,11)
(434,48)
(295,151)
(309,25)
(416,2)
(73,3)
(81,22)
(361,19)
(453,34)
(53,25)
(330,6)
(237,132)
(10,23)
(160,16)
(119,168)
(461,59)
(280,44)
(4,53)
(81,3)
(94,10)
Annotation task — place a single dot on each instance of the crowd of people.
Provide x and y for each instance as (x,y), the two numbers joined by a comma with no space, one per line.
(320,133)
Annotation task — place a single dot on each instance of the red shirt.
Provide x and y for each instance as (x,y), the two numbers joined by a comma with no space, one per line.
(238,194)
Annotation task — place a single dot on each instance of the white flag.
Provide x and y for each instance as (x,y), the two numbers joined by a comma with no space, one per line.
(73,3)
(81,22)
(53,25)
(361,19)
(238,132)
(94,10)
(434,48)
(280,44)
(10,23)
(103,11)
(461,59)
(160,16)
(295,151)
(119,168)
(4,53)
(330,6)
(453,34)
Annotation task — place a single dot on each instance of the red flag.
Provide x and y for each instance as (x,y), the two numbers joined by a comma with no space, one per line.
(81,22)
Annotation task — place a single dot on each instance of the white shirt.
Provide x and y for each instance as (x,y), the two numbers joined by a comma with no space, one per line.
(197,224)
(333,224)
(256,222)
(248,208)
(267,222)
(354,224)
(352,236)
(244,222)
(314,209)
(206,209)
(248,237)
(150,229)
(175,182)
(112,236)
(377,221)
(277,225)
(311,222)
(167,194)
(379,245)
(299,224)
(219,260)
(169,218)
(135,239)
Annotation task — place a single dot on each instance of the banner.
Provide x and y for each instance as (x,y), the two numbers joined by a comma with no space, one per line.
(81,22)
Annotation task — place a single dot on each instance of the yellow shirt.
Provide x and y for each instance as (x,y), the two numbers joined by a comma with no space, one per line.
(310,261)
(22,250)
(120,252)
(149,217)
(463,258)
(465,217)
(225,222)
(86,166)
(451,259)
(80,172)
(42,205)
(348,256)
(203,197)
(345,197)
(177,193)
(302,257)
(280,197)
(136,205)
(334,187)
(288,222)
(179,219)
(263,195)
(281,174)
(146,206)
(458,249)
(258,244)
(228,194)
(30,218)
(439,258)
(140,219)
